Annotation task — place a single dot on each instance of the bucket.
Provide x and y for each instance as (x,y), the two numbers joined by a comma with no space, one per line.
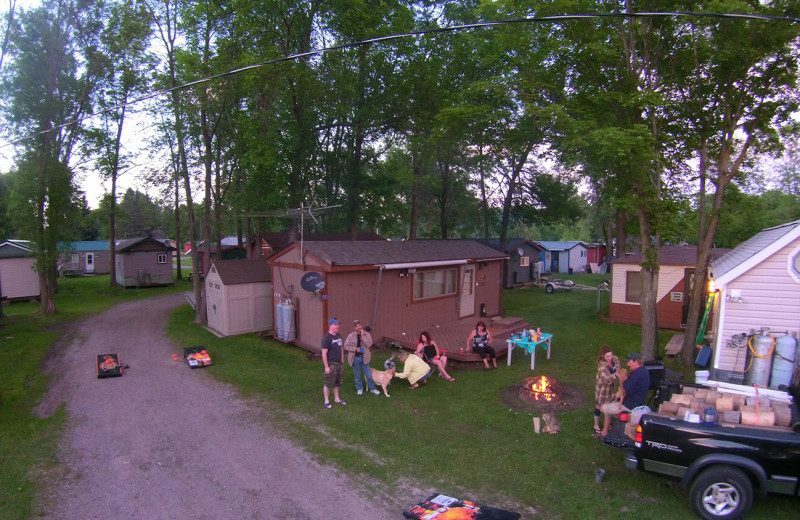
(701,376)
(710,417)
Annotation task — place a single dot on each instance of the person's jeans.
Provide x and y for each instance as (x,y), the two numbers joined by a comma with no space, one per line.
(358,367)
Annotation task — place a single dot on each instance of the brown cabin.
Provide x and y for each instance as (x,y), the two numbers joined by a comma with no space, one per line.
(143,262)
(396,288)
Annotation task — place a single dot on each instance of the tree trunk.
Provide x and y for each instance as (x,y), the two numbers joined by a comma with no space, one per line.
(416,180)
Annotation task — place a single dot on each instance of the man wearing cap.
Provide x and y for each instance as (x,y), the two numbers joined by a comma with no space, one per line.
(635,386)
(357,347)
(332,362)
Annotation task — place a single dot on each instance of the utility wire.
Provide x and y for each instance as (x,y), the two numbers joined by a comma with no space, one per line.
(421,32)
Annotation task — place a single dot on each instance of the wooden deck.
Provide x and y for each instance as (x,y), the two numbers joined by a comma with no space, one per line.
(452,337)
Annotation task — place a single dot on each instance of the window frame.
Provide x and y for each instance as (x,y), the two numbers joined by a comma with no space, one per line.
(425,281)
(524,261)
(629,297)
(159,257)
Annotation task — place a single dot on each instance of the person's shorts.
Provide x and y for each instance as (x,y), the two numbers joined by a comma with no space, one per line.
(334,379)
(614,408)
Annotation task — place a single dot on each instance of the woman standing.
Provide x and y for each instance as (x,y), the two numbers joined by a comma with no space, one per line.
(479,341)
(607,367)
(429,352)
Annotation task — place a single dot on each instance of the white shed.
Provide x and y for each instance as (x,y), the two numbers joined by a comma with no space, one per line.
(759,285)
(239,296)
(18,277)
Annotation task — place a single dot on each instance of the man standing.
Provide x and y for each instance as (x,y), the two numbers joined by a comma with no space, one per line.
(332,362)
(357,346)
(635,386)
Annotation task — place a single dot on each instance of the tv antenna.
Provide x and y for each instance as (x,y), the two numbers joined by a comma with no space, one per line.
(297,214)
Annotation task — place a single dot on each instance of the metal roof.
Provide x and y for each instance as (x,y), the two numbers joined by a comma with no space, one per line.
(754,250)
(84,245)
(16,248)
(560,246)
(381,252)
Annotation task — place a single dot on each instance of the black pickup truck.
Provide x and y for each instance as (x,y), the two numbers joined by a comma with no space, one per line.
(721,464)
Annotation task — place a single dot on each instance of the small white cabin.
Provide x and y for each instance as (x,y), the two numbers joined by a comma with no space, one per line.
(18,277)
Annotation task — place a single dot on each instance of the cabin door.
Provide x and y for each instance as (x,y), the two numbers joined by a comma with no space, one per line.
(467,302)
(89,263)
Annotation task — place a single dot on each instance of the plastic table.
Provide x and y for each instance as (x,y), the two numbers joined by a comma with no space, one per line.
(530,346)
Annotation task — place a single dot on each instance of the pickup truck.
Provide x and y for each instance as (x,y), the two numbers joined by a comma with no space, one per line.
(721,464)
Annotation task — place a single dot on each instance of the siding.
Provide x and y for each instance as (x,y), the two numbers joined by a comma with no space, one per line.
(670,279)
(141,268)
(771,298)
(18,278)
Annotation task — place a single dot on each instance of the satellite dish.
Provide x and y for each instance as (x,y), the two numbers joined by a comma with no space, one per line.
(520,251)
(312,282)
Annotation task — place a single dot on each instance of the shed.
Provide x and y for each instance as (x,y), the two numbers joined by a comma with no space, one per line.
(564,257)
(522,266)
(143,262)
(239,296)
(759,284)
(675,283)
(85,257)
(18,277)
(390,286)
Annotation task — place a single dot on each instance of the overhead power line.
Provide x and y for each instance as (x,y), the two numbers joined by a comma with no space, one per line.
(421,32)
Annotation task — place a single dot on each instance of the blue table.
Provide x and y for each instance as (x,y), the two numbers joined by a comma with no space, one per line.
(530,346)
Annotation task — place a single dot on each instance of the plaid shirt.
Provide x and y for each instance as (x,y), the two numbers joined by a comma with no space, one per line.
(604,385)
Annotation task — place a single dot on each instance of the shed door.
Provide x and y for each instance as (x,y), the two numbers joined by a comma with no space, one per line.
(467,302)
(89,263)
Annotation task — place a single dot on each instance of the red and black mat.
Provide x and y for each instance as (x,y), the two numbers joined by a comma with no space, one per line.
(196,357)
(108,365)
(443,507)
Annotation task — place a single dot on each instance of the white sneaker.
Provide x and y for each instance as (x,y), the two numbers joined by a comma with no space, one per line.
(375,391)
(359,392)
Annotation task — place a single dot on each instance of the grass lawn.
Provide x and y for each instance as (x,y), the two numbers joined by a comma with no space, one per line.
(457,438)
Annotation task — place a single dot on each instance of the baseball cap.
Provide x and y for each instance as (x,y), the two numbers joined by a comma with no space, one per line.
(333,321)
(355,322)
(632,356)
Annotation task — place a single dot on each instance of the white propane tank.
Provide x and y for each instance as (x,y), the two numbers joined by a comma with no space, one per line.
(761,355)
(783,361)
(280,326)
(288,322)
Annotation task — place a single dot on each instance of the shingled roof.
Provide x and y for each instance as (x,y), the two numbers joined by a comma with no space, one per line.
(755,250)
(233,272)
(348,253)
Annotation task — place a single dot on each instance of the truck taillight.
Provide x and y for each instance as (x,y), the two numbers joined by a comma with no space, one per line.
(639,437)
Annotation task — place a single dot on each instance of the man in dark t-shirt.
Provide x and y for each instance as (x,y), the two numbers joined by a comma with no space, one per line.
(636,386)
(332,362)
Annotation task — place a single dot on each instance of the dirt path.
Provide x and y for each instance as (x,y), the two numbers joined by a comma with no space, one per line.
(168,442)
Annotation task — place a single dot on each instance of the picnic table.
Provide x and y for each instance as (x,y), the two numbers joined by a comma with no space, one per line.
(518,340)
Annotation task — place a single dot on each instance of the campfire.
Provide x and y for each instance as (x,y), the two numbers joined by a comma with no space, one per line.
(539,389)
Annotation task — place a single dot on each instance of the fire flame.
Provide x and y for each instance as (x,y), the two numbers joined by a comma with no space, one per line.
(542,389)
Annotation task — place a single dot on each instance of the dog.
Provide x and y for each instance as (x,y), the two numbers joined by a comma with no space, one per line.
(382,378)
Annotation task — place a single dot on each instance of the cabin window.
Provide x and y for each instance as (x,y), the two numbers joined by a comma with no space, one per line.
(162,258)
(524,261)
(794,264)
(432,284)
(73,258)
(633,287)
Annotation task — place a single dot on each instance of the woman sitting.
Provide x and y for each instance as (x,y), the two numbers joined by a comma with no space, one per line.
(478,341)
(429,352)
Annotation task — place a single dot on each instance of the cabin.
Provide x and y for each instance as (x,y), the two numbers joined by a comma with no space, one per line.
(230,250)
(266,244)
(675,281)
(394,287)
(19,280)
(759,291)
(523,265)
(239,296)
(84,258)
(564,257)
(143,262)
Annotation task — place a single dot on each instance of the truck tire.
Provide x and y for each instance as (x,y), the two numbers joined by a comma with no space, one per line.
(549,288)
(722,492)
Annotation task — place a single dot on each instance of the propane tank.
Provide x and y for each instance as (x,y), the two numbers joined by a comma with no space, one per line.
(288,321)
(761,348)
(280,326)
(783,363)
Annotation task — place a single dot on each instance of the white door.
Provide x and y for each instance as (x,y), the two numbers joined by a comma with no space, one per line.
(467,303)
(89,263)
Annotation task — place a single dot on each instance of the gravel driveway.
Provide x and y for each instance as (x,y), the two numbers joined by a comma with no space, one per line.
(168,442)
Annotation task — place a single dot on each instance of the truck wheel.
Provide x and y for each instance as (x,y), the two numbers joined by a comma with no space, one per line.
(722,492)
(549,289)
